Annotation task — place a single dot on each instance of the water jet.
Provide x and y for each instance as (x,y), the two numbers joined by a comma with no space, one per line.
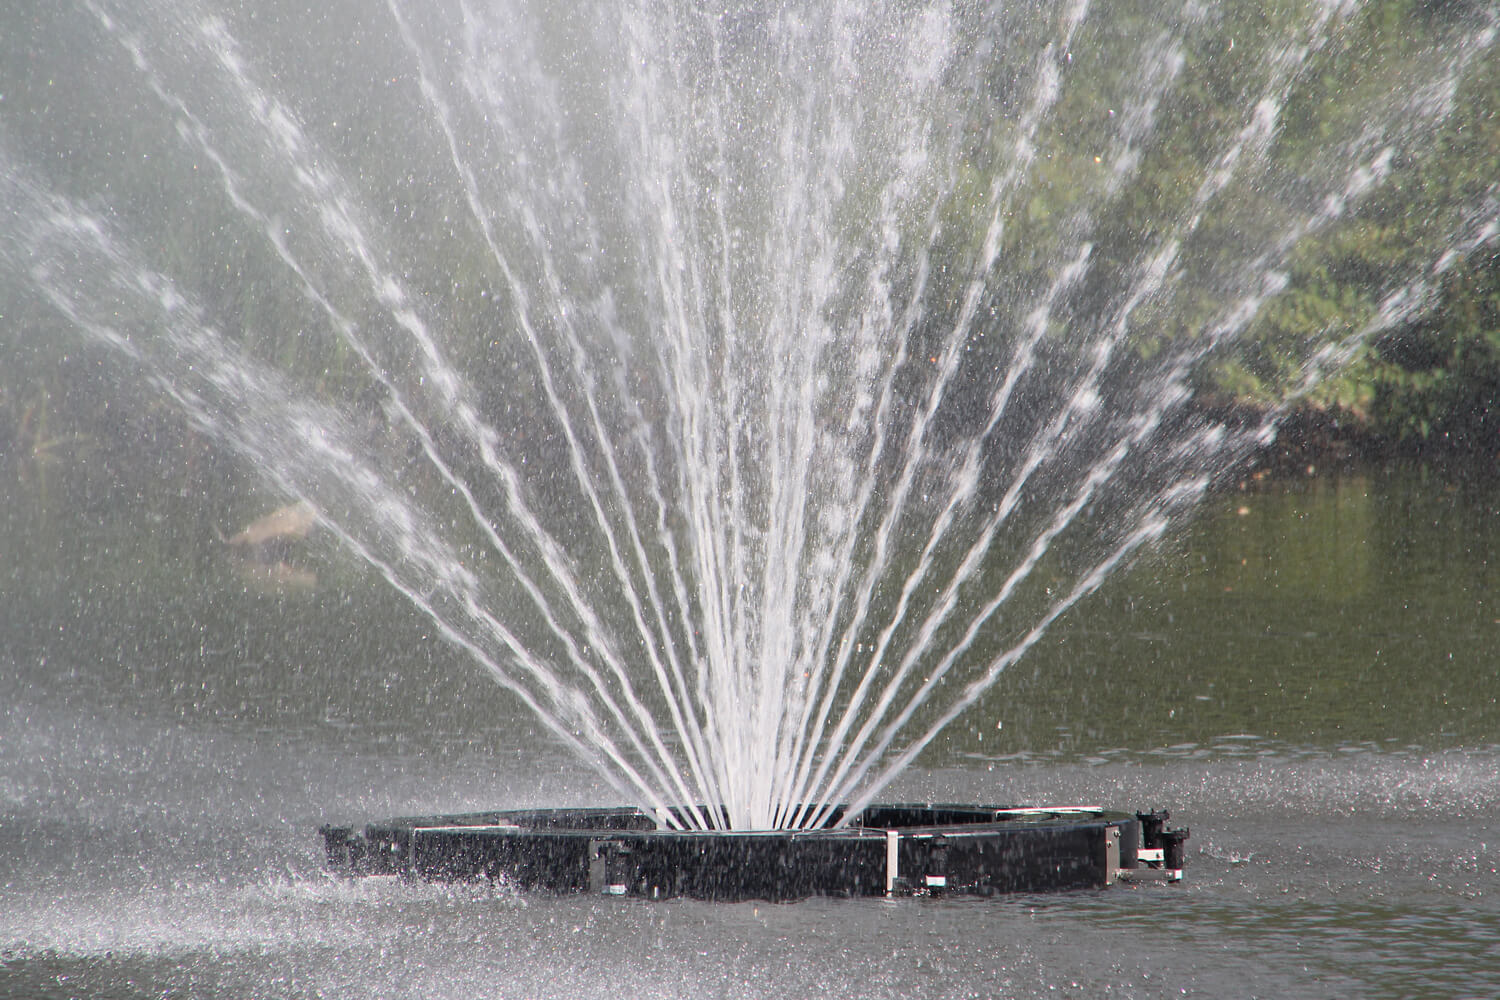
(744,395)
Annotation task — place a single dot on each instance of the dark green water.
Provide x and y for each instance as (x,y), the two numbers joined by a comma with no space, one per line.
(1306,676)
(1353,607)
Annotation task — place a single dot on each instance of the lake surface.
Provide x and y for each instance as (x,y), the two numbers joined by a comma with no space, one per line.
(1306,677)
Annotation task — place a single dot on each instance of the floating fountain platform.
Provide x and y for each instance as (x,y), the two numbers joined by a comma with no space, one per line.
(884,850)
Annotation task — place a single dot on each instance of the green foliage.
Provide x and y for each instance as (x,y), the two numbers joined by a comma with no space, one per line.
(1364,94)
(1430,381)
(1437,382)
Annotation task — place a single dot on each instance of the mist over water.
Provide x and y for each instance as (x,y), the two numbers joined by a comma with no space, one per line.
(745,389)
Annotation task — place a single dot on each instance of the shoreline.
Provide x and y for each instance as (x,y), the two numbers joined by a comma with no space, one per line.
(1312,440)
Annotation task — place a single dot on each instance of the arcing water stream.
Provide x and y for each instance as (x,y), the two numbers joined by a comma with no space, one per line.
(744,389)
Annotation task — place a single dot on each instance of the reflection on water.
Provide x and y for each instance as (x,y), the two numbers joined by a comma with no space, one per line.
(1306,680)
(1304,880)
(1324,611)
(1338,610)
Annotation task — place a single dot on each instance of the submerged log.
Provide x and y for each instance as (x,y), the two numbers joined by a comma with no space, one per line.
(294,521)
(264,549)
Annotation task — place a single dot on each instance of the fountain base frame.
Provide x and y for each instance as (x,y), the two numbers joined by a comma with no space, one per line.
(884,850)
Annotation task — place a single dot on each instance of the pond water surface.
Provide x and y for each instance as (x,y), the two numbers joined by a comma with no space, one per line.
(1306,677)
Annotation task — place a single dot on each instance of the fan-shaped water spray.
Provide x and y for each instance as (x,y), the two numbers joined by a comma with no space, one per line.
(744,388)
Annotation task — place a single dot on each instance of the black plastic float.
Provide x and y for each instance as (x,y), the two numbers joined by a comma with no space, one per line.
(884,850)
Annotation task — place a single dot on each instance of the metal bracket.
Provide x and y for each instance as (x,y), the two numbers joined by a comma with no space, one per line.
(1111,854)
(892,861)
(605,877)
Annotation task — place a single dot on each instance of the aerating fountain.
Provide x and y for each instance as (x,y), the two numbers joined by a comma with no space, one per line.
(745,388)
(883,850)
